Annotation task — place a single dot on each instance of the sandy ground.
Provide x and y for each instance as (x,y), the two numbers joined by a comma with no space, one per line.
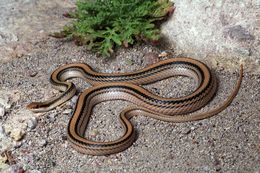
(228,142)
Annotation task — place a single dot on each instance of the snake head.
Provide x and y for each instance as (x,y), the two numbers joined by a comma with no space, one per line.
(33,105)
(38,107)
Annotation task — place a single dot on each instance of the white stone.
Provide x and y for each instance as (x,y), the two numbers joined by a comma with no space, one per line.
(5,102)
(19,121)
(3,165)
(215,29)
(67,111)
(2,111)
(17,134)
(42,142)
(32,123)
(93,133)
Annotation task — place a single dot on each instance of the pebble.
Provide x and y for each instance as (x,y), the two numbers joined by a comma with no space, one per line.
(186,131)
(5,103)
(2,111)
(3,158)
(18,144)
(3,165)
(17,134)
(93,133)
(164,54)
(33,73)
(67,111)
(32,123)
(42,143)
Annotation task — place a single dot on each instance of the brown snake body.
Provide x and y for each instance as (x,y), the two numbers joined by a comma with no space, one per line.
(126,86)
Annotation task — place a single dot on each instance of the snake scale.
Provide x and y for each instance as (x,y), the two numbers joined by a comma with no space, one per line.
(127,86)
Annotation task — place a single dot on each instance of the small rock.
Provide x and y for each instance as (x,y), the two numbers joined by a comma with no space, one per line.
(32,123)
(67,111)
(3,165)
(186,131)
(5,102)
(42,143)
(164,54)
(17,134)
(33,73)
(2,111)
(18,144)
(16,125)
(3,158)
(93,133)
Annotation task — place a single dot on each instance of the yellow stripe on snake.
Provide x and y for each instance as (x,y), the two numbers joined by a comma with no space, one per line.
(127,86)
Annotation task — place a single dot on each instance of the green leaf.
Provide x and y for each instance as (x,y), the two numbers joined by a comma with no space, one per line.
(116,39)
(101,25)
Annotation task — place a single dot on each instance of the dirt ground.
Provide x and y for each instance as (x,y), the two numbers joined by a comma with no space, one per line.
(223,143)
(227,142)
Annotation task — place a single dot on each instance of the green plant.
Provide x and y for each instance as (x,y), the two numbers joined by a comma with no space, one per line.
(102,25)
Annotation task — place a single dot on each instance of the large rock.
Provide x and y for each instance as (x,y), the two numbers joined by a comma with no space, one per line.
(227,30)
(25,22)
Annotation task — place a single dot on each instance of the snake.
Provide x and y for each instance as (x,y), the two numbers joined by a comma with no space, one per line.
(128,87)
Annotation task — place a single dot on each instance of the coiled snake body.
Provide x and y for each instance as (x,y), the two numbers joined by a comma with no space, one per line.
(126,86)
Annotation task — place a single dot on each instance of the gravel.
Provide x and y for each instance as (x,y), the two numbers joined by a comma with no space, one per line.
(32,123)
(227,142)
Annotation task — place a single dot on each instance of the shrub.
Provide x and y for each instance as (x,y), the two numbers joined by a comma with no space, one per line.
(102,25)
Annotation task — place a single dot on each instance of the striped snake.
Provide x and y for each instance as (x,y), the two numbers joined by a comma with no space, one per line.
(127,86)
